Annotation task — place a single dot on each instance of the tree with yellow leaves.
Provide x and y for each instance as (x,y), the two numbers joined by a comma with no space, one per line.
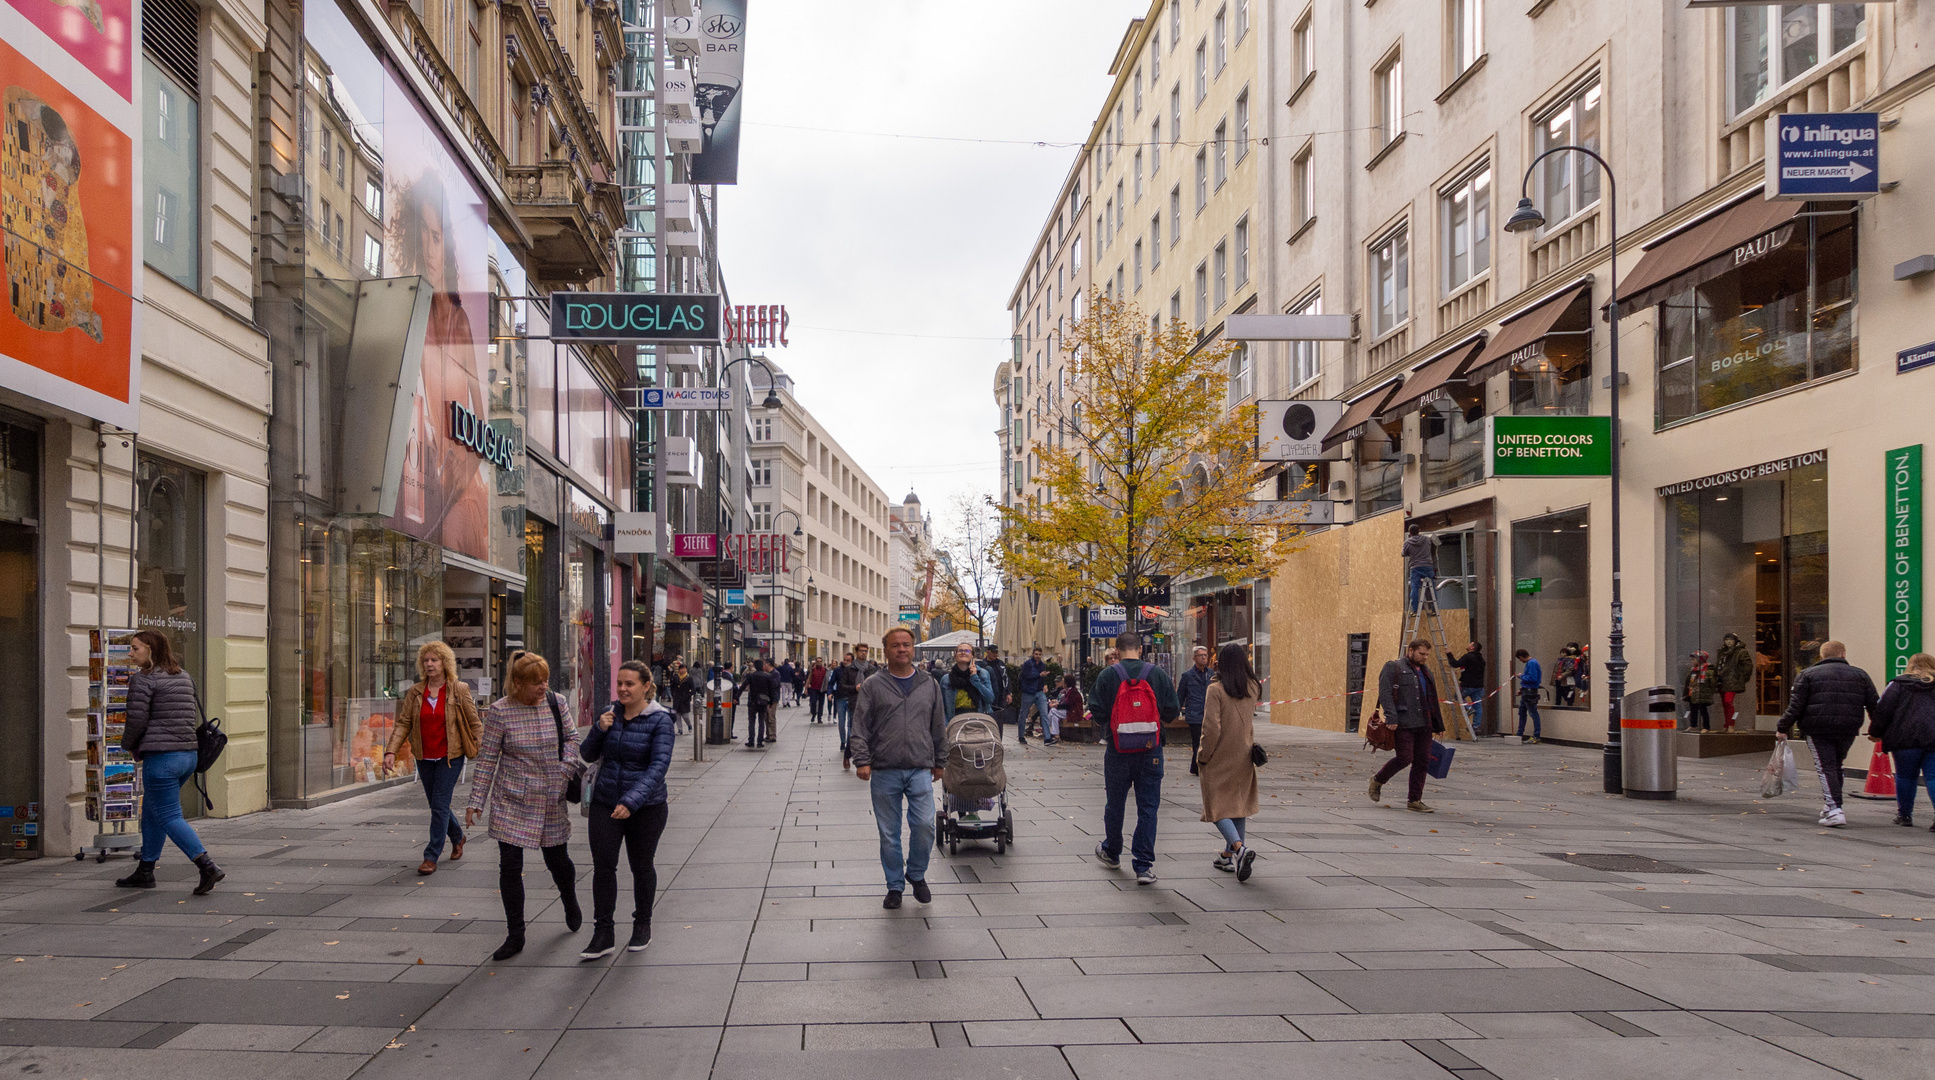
(1148,472)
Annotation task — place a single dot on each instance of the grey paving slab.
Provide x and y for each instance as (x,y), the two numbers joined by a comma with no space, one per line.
(672,1053)
(1655,1059)
(1175,995)
(56,1063)
(474,1055)
(173,942)
(1145,965)
(1893,1025)
(1653,935)
(1048,1033)
(229,903)
(1142,941)
(269,1037)
(644,996)
(768,947)
(1531,1025)
(363,947)
(1782,991)
(1333,1060)
(241,1001)
(954,1063)
(71,1032)
(1741,903)
(886,1001)
(538,997)
(1441,932)
(1535,990)
(693,943)
(1351,1027)
(1214,1029)
(899,1036)
(1866,1058)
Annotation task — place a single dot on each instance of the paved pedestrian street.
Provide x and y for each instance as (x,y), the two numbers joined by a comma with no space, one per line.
(1532,928)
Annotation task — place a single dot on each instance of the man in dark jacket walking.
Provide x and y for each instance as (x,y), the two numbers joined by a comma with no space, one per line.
(1828,704)
(998,680)
(1032,693)
(1192,690)
(1471,683)
(1141,771)
(1408,696)
(899,747)
(762,694)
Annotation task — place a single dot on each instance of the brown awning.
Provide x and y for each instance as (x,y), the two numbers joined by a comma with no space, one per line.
(1523,335)
(1434,379)
(1703,249)
(1360,413)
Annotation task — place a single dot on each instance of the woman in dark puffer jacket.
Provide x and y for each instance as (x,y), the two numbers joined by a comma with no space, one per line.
(163,710)
(1904,725)
(632,744)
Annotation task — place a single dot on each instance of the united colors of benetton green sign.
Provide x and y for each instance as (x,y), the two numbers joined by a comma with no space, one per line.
(1549,445)
(1903,529)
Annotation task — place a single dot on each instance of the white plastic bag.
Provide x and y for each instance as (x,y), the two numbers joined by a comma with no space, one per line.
(1788,774)
(1771,776)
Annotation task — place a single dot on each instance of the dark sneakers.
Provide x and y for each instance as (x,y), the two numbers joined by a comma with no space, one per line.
(513,945)
(892,901)
(921,892)
(603,943)
(641,937)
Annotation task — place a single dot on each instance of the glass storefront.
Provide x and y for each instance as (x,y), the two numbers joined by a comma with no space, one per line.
(20,722)
(1551,597)
(170,557)
(1380,471)
(1453,440)
(1750,558)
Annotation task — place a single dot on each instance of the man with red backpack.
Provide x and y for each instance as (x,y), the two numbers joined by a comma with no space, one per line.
(1133,699)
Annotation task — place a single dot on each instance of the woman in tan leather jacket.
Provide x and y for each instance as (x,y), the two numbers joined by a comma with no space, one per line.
(440,721)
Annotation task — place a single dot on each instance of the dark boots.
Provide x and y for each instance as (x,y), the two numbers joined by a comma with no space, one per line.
(210,874)
(565,877)
(142,878)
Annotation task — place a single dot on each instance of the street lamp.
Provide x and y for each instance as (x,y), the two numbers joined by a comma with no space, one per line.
(772,615)
(718,536)
(1528,217)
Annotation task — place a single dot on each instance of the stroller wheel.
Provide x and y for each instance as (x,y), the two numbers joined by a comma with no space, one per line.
(1000,842)
(953,845)
(940,823)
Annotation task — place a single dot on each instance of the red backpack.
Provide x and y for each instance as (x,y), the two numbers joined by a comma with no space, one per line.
(1133,720)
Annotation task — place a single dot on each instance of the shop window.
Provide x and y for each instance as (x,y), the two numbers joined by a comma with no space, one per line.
(1554,383)
(1781,315)
(1771,45)
(1390,281)
(1751,559)
(171,176)
(1571,180)
(1453,433)
(1380,471)
(1551,594)
(170,556)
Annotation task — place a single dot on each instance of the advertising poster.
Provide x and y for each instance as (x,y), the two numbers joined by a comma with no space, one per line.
(68,178)
(715,91)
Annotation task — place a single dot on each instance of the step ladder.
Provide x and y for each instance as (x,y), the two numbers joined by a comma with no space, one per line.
(1423,621)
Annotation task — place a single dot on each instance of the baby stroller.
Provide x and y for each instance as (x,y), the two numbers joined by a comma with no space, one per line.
(974,786)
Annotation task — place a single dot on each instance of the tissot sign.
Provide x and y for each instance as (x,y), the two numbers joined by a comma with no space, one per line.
(641,317)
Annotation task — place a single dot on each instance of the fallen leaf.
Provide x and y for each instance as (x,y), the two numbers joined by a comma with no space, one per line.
(332,943)
(342,997)
(393,1045)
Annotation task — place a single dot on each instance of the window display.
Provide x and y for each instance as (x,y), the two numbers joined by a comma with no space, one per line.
(1551,594)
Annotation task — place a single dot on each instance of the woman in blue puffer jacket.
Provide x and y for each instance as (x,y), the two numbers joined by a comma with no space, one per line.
(632,744)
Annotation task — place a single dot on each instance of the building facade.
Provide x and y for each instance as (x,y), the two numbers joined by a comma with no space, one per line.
(911,564)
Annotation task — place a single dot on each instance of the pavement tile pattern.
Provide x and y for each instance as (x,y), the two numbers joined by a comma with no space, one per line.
(1534,928)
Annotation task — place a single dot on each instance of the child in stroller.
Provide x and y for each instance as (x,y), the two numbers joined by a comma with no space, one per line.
(974,785)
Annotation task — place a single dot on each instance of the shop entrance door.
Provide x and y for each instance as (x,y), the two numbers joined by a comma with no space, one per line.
(20,705)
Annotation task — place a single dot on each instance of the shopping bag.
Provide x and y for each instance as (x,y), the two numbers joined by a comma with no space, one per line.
(1439,763)
(1789,776)
(1771,779)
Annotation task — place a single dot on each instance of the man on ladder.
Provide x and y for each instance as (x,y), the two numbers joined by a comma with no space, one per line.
(1421,615)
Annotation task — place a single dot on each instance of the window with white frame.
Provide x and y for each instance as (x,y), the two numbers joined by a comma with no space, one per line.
(1175,113)
(1466,208)
(1202,293)
(372,255)
(1570,181)
(762,472)
(1137,83)
(1222,39)
(1202,180)
(1138,266)
(1303,47)
(1771,45)
(1175,306)
(1391,281)
(1155,57)
(1155,147)
(1465,26)
(171,159)
(1222,259)
(1306,357)
(373,197)
(1175,214)
(1242,125)
(1222,144)
(1242,375)
(1120,281)
(1121,207)
(1390,99)
(1242,19)
(1155,241)
(762,517)
(1175,24)
(1303,184)
(1138,176)
(762,429)
(1075,256)
(1202,71)
(1243,251)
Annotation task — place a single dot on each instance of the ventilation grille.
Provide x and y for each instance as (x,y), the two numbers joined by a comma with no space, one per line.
(171,34)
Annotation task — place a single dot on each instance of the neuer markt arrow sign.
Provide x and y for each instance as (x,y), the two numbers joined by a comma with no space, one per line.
(1823,155)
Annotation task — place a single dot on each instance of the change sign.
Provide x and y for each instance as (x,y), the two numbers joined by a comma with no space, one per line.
(1549,445)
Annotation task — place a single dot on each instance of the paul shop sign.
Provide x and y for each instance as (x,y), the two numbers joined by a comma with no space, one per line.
(636,317)
(1751,472)
(469,429)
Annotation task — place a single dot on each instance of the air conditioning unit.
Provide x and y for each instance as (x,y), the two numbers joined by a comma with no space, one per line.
(683,136)
(675,93)
(680,460)
(684,244)
(675,206)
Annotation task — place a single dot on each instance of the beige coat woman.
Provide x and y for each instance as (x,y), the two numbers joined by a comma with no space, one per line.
(1228,778)
(463,723)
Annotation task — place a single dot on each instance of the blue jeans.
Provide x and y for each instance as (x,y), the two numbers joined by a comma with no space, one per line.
(162,776)
(439,779)
(843,714)
(889,787)
(1909,763)
(1143,772)
(1421,577)
(1528,701)
(1039,700)
(1232,830)
(1475,697)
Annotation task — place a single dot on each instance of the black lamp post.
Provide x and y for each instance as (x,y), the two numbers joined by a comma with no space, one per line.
(718,536)
(1527,217)
(772,614)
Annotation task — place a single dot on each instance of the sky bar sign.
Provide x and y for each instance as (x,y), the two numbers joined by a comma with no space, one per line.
(1823,155)
(636,317)
(1903,530)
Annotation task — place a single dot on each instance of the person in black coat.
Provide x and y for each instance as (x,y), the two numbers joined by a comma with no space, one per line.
(762,694)
(632,744)
(1471,683)
(1408,697)
(1904,725)
(683,686)
(1828,704)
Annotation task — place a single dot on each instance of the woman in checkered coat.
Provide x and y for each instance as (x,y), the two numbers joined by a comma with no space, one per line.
(520,777)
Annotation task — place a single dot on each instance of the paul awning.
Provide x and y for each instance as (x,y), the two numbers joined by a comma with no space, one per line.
(1700,253)
(1434,379)
(1360,412)
(1568,311)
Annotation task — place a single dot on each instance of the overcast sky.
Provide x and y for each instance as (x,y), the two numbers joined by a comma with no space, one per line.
(915,240)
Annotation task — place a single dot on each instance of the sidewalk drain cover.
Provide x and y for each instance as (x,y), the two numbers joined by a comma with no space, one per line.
(1622,864)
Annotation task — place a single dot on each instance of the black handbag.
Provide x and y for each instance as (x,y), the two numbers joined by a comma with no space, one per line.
(1257,755)
(210,741)
(574,781)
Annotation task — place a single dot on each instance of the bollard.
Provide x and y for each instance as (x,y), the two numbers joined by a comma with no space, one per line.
(1648,734)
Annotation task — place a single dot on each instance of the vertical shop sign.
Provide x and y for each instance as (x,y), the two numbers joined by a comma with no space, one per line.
(1904,559)
(722,64)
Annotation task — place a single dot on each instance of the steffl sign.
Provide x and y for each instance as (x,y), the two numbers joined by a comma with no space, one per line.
(636,317)
(1823,155)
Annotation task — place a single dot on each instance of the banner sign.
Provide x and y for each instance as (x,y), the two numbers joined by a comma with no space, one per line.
(634,532)
(760,553)
(637,317)
(1823,155)
(684,397)
(1914,359)
(1903,529)
(695,546)
(1751,472)
(722,64)
(1549,445)
(1107,620)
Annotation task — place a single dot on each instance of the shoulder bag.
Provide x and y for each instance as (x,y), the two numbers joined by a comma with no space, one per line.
(574,771)
(210,741)
(1379,733)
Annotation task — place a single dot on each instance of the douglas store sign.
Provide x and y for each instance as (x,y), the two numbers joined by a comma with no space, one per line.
(471,430)
(640,317)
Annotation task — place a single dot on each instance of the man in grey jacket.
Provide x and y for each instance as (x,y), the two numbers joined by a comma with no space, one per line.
(899,747)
